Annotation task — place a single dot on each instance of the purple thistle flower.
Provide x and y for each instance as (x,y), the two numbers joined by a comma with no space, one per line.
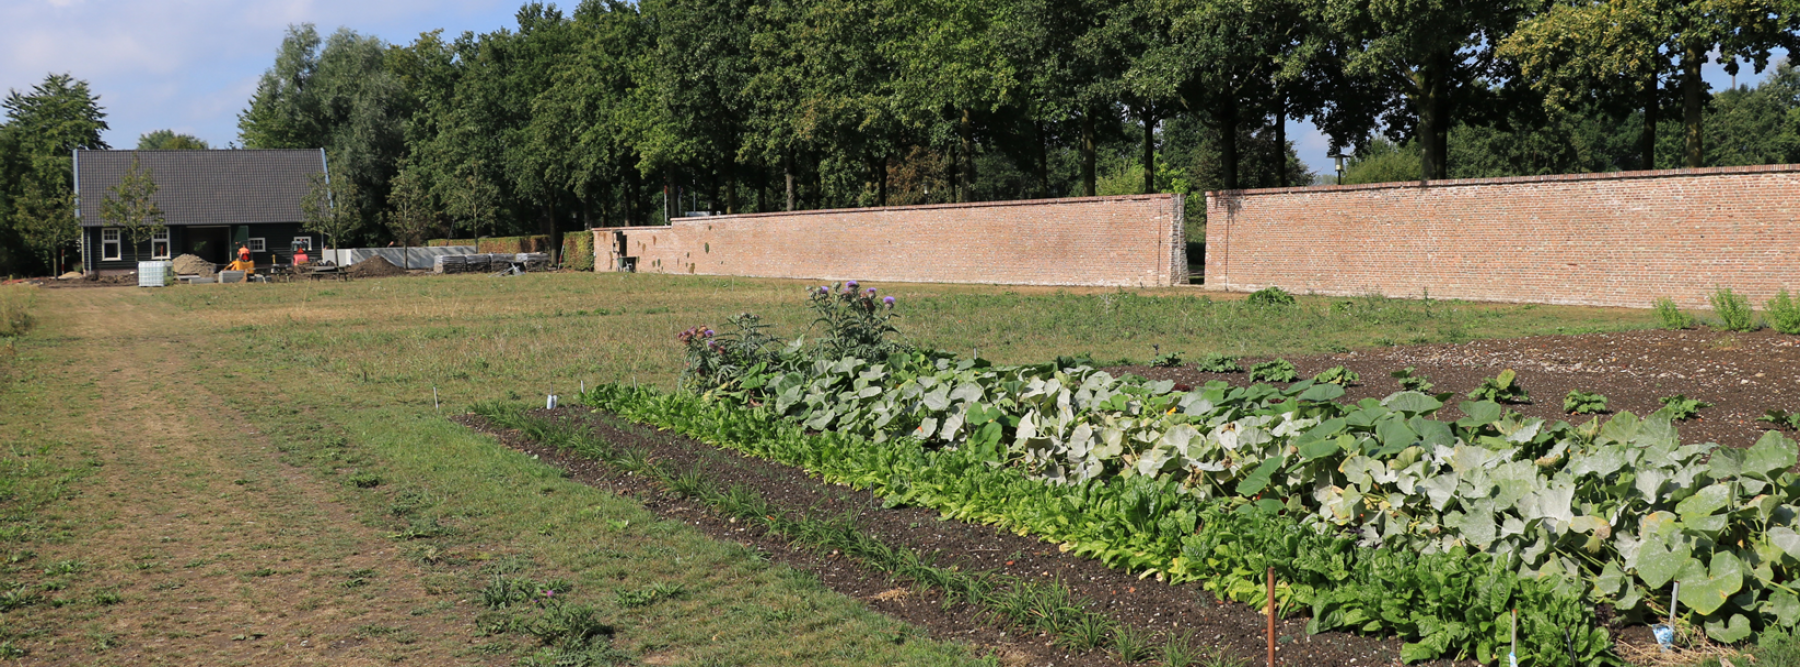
(709,333)
(871,291)
(888,300)
(851,284)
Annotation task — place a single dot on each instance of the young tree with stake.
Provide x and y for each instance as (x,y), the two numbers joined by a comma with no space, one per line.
(131,205)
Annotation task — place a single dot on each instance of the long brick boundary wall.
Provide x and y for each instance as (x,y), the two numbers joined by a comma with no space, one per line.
(1124,241)
(1616,239)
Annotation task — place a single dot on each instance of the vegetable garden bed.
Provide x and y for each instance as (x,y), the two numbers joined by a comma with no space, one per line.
(1157,610)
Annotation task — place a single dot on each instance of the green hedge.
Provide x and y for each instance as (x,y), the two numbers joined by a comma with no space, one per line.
(578,251)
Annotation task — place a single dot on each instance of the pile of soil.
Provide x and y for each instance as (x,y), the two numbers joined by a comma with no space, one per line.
(375,267)
(1743,375)
(193,265)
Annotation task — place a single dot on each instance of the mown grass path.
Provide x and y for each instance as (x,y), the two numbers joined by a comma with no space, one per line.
(258,474)
(222,519)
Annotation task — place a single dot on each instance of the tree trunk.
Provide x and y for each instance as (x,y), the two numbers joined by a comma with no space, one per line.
(1043,161)
(967,129)
(731,202)
(881,180)
(1149,153)
(1432,121)
(787,173)
(1087,154)
(668,191)
(1281,152)
(1652,107)
(1693,94)
(955,174)
(1228,142)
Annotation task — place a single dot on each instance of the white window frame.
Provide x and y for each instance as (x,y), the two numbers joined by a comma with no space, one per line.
(161,237)
(258,244)
(303,243)
(111,249)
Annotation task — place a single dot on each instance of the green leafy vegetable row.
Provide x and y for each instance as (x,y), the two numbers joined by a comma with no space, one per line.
(1451,603)
(1619,506)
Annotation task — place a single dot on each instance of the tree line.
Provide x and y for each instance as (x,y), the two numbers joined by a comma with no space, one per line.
(624,113)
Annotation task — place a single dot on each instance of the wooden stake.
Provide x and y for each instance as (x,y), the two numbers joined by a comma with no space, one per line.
(1271,617)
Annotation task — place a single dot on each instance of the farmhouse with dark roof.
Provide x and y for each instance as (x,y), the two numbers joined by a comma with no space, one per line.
(212,201)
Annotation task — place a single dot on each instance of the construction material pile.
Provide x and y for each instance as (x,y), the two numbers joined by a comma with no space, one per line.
(375,267)
(192,265)
(491,262)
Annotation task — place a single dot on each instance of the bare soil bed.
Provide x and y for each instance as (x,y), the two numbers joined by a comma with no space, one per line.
(1148,605)
(1743,375)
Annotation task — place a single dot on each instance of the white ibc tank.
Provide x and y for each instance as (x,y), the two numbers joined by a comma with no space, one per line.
(154,274)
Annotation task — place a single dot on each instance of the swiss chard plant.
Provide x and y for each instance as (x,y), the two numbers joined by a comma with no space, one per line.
(1410,380)
(1502,388)
(1338,375)
(1681,408)
(1781,418)
(1579,402)
(1218,363)
(1274,370)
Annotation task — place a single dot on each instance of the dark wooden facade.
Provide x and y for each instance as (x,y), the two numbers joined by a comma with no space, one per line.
(211,243)
(212,201)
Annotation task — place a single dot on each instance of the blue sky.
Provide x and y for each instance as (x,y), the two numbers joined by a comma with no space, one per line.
(191,65)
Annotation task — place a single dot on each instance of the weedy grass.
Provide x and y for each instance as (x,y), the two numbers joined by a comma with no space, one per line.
(1783,313)
(1733,310)
(1669,315)
(16,303)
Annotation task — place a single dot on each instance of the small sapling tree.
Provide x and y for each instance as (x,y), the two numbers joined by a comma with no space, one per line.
(131,205)
(329,206)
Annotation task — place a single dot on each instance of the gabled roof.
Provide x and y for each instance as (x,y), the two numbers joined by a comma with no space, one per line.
(211,187)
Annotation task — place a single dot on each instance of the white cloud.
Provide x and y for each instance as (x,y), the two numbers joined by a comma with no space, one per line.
(194,63)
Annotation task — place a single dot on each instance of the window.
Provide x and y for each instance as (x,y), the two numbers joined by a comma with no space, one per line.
(159,245)
(109,245)
(303,243)
(257,245)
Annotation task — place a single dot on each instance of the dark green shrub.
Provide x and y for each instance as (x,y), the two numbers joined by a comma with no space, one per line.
(1733,310)
(1270,296)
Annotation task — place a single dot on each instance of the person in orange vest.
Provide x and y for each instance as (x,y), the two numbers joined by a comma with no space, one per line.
(243,262)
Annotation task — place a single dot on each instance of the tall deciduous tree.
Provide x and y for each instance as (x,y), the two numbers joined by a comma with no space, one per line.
(1614,52)
(131,206)
(42,128)
(336,94)
(168,140)
(1433,53)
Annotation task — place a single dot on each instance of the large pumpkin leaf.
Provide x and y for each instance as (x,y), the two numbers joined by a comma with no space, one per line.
(1659,560)
(1731,632)
(1772,454)
(1705,593)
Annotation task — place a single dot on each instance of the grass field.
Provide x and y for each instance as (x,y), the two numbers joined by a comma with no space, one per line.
(260,474)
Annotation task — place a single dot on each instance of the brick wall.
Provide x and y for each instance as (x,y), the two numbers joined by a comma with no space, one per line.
(1620,239)
(1132,240)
